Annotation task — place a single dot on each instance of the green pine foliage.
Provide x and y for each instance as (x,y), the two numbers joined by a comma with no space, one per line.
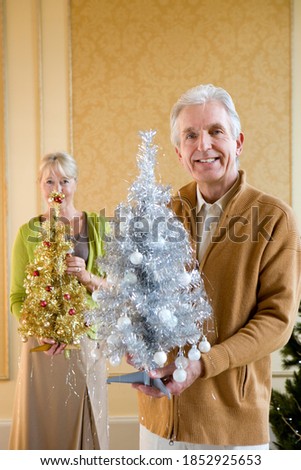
(285,410)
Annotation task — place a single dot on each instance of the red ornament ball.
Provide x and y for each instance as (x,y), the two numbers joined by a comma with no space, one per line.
(72,311)
(36,273)
(43,303)
(67,296)
(46,243)
(49,288)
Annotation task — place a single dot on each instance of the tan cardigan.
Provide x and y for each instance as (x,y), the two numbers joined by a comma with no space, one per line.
(252,272)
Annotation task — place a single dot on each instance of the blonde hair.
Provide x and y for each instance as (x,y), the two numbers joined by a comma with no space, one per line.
(60,162)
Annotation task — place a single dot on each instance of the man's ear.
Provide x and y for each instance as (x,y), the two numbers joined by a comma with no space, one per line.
(239,143)
(178,153)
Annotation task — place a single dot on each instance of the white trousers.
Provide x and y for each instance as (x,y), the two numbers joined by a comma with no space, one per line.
(151,441)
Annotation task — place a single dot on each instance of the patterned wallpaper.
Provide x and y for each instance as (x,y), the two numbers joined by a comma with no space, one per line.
(131,59)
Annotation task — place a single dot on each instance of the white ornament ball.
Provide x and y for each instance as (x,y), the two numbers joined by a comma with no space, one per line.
(123,322)
(165,315)
(115,360)
(130,278)
(185,279)
(204,346)
(173,321)
(160,357)
(95,295)
(182,362)
(136,258)
(180,375)
(113,340)
(194,354)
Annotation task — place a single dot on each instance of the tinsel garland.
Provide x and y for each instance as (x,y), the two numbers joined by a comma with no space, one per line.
(155,300)
(55,303)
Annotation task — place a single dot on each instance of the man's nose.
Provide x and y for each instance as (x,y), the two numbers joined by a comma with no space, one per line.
(204,141)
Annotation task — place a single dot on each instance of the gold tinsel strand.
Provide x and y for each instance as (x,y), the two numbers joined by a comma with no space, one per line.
(55,303)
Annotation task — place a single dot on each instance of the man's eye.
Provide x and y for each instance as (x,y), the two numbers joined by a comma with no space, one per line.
(190,136)
(216,131)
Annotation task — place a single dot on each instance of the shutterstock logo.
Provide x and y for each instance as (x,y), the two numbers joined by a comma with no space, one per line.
(239,229)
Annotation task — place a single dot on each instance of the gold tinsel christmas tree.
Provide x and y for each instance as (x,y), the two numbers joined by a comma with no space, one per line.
(55,303)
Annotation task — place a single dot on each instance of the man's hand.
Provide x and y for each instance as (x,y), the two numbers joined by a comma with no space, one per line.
(194,371)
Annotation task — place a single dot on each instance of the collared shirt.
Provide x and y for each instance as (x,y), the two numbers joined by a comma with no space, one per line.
(208,216)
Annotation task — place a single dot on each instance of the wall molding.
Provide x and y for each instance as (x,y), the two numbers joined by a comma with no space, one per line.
(4,434)
(282,374)
(123,432)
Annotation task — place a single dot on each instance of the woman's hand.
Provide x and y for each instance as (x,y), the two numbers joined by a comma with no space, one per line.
(54,347)
(77,267)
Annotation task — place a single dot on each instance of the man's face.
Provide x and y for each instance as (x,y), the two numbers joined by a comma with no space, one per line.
(207,149)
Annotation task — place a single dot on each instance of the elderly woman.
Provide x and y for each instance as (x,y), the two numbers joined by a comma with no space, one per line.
(60,403)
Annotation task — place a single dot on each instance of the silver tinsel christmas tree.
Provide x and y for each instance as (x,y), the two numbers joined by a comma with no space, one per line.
(155,300)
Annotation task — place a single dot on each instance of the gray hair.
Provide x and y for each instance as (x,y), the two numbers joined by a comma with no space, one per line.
(199,95)
(61,162)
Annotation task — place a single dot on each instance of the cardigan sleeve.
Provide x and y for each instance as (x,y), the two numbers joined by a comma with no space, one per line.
(278,296)
(96,231)
(26,241)
(19,262)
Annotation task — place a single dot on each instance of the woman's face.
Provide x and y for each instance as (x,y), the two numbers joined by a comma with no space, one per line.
(52,180)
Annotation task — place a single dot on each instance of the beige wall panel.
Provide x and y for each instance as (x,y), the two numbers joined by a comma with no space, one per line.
(22,146)
(3,222)
(55,80)
(296,107)
(131,59)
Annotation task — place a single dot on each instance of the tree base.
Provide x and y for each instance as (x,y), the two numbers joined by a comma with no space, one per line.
(140,377)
